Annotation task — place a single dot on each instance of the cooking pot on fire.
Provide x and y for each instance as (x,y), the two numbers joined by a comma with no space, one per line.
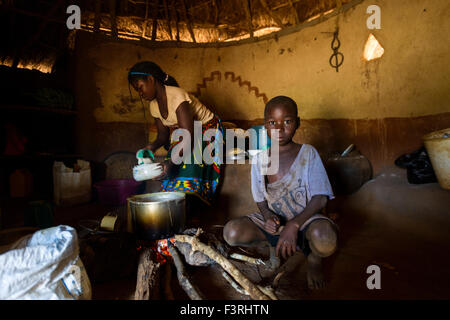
(155,216)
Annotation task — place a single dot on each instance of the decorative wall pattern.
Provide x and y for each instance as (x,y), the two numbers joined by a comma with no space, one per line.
(234,78)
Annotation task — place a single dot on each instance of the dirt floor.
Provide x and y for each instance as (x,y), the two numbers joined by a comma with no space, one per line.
(400,227)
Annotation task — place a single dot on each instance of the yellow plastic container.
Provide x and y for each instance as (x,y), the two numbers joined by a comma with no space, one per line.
(437,144)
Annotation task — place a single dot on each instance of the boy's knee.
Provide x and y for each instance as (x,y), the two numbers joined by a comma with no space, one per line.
(322,238)
(231,232)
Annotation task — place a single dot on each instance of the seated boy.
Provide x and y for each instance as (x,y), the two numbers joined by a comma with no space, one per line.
(290,200)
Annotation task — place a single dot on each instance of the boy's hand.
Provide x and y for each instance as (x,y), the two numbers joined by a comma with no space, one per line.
(287,243)
(271,224)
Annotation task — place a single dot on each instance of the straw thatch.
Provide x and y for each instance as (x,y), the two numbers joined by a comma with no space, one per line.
(35,32)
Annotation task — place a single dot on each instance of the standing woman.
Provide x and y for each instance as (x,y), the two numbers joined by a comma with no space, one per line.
(172,107)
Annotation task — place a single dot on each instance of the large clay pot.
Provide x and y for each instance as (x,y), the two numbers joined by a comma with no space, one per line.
(347,174)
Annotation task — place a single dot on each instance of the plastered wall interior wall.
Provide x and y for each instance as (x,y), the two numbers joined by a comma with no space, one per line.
(411,79)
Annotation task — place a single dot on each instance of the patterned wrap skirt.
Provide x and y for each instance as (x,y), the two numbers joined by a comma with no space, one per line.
(199,179)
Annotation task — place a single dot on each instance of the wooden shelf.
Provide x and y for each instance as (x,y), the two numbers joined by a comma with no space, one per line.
(38,109)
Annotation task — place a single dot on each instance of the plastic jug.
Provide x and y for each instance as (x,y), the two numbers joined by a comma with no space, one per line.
(261,144)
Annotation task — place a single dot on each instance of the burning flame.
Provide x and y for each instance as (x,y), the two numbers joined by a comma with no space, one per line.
(160,247)
(162,251)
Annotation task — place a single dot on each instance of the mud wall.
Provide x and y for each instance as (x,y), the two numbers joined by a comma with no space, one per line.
(383,106)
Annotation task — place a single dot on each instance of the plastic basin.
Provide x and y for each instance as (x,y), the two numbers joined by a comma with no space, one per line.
(437,144)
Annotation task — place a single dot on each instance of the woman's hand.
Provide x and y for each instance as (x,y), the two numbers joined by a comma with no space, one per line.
(150,147)
(272,223)
(287,243)
(166,166)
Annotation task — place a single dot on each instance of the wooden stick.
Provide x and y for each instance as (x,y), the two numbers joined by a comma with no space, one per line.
(297,19)
(124,7)
(254,291)
(177,21)
(167,282)
(144,24)
(216,9)
(183,278)
(245,258)
(166,12)
(266,290)
(274,261)
(148,277)
(38,33)
(290,265)
(270,13)
(112,13)
(188,21)
(233,283)
(248,14)
(155,20)
(98,6)
(276,280)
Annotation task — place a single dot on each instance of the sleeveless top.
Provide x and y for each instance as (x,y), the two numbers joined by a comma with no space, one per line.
(176,96)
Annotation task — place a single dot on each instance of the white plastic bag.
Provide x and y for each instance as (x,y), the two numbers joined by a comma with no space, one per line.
(71,187)
(44,266)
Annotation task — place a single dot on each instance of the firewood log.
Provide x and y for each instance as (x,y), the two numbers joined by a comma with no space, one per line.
(148,277)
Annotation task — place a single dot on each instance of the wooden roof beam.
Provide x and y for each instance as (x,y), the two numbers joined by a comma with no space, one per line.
(271,14)
(167,15)
(155,20)
(248,14)
(144,23)
(98,6)
(112,13)
(188,21)
(177,22)
(297,19)
(38,33)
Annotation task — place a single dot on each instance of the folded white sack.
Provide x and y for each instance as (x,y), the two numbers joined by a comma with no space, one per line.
(44,266)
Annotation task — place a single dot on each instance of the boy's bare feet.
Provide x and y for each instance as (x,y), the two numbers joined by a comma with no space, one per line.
(314,273)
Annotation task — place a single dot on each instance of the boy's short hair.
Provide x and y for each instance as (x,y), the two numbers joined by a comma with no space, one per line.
(283,100)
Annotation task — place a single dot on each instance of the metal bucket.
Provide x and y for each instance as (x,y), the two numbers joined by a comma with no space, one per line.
(155,216)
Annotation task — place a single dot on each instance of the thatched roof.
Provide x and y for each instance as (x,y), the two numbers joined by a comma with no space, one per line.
(35,31)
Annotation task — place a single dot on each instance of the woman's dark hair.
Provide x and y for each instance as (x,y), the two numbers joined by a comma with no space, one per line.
(141,70)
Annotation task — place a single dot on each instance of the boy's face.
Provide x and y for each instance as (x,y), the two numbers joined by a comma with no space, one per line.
(284,119)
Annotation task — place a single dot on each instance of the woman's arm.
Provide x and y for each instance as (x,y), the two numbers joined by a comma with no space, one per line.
(185,120)
(162,138)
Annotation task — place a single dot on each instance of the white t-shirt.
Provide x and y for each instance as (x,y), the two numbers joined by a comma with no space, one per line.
(176,96)
(289,195)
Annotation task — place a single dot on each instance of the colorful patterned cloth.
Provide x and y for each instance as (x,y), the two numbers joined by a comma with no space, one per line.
(198,179)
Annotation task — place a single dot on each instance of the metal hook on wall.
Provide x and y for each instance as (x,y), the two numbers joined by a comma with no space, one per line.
(337,58)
